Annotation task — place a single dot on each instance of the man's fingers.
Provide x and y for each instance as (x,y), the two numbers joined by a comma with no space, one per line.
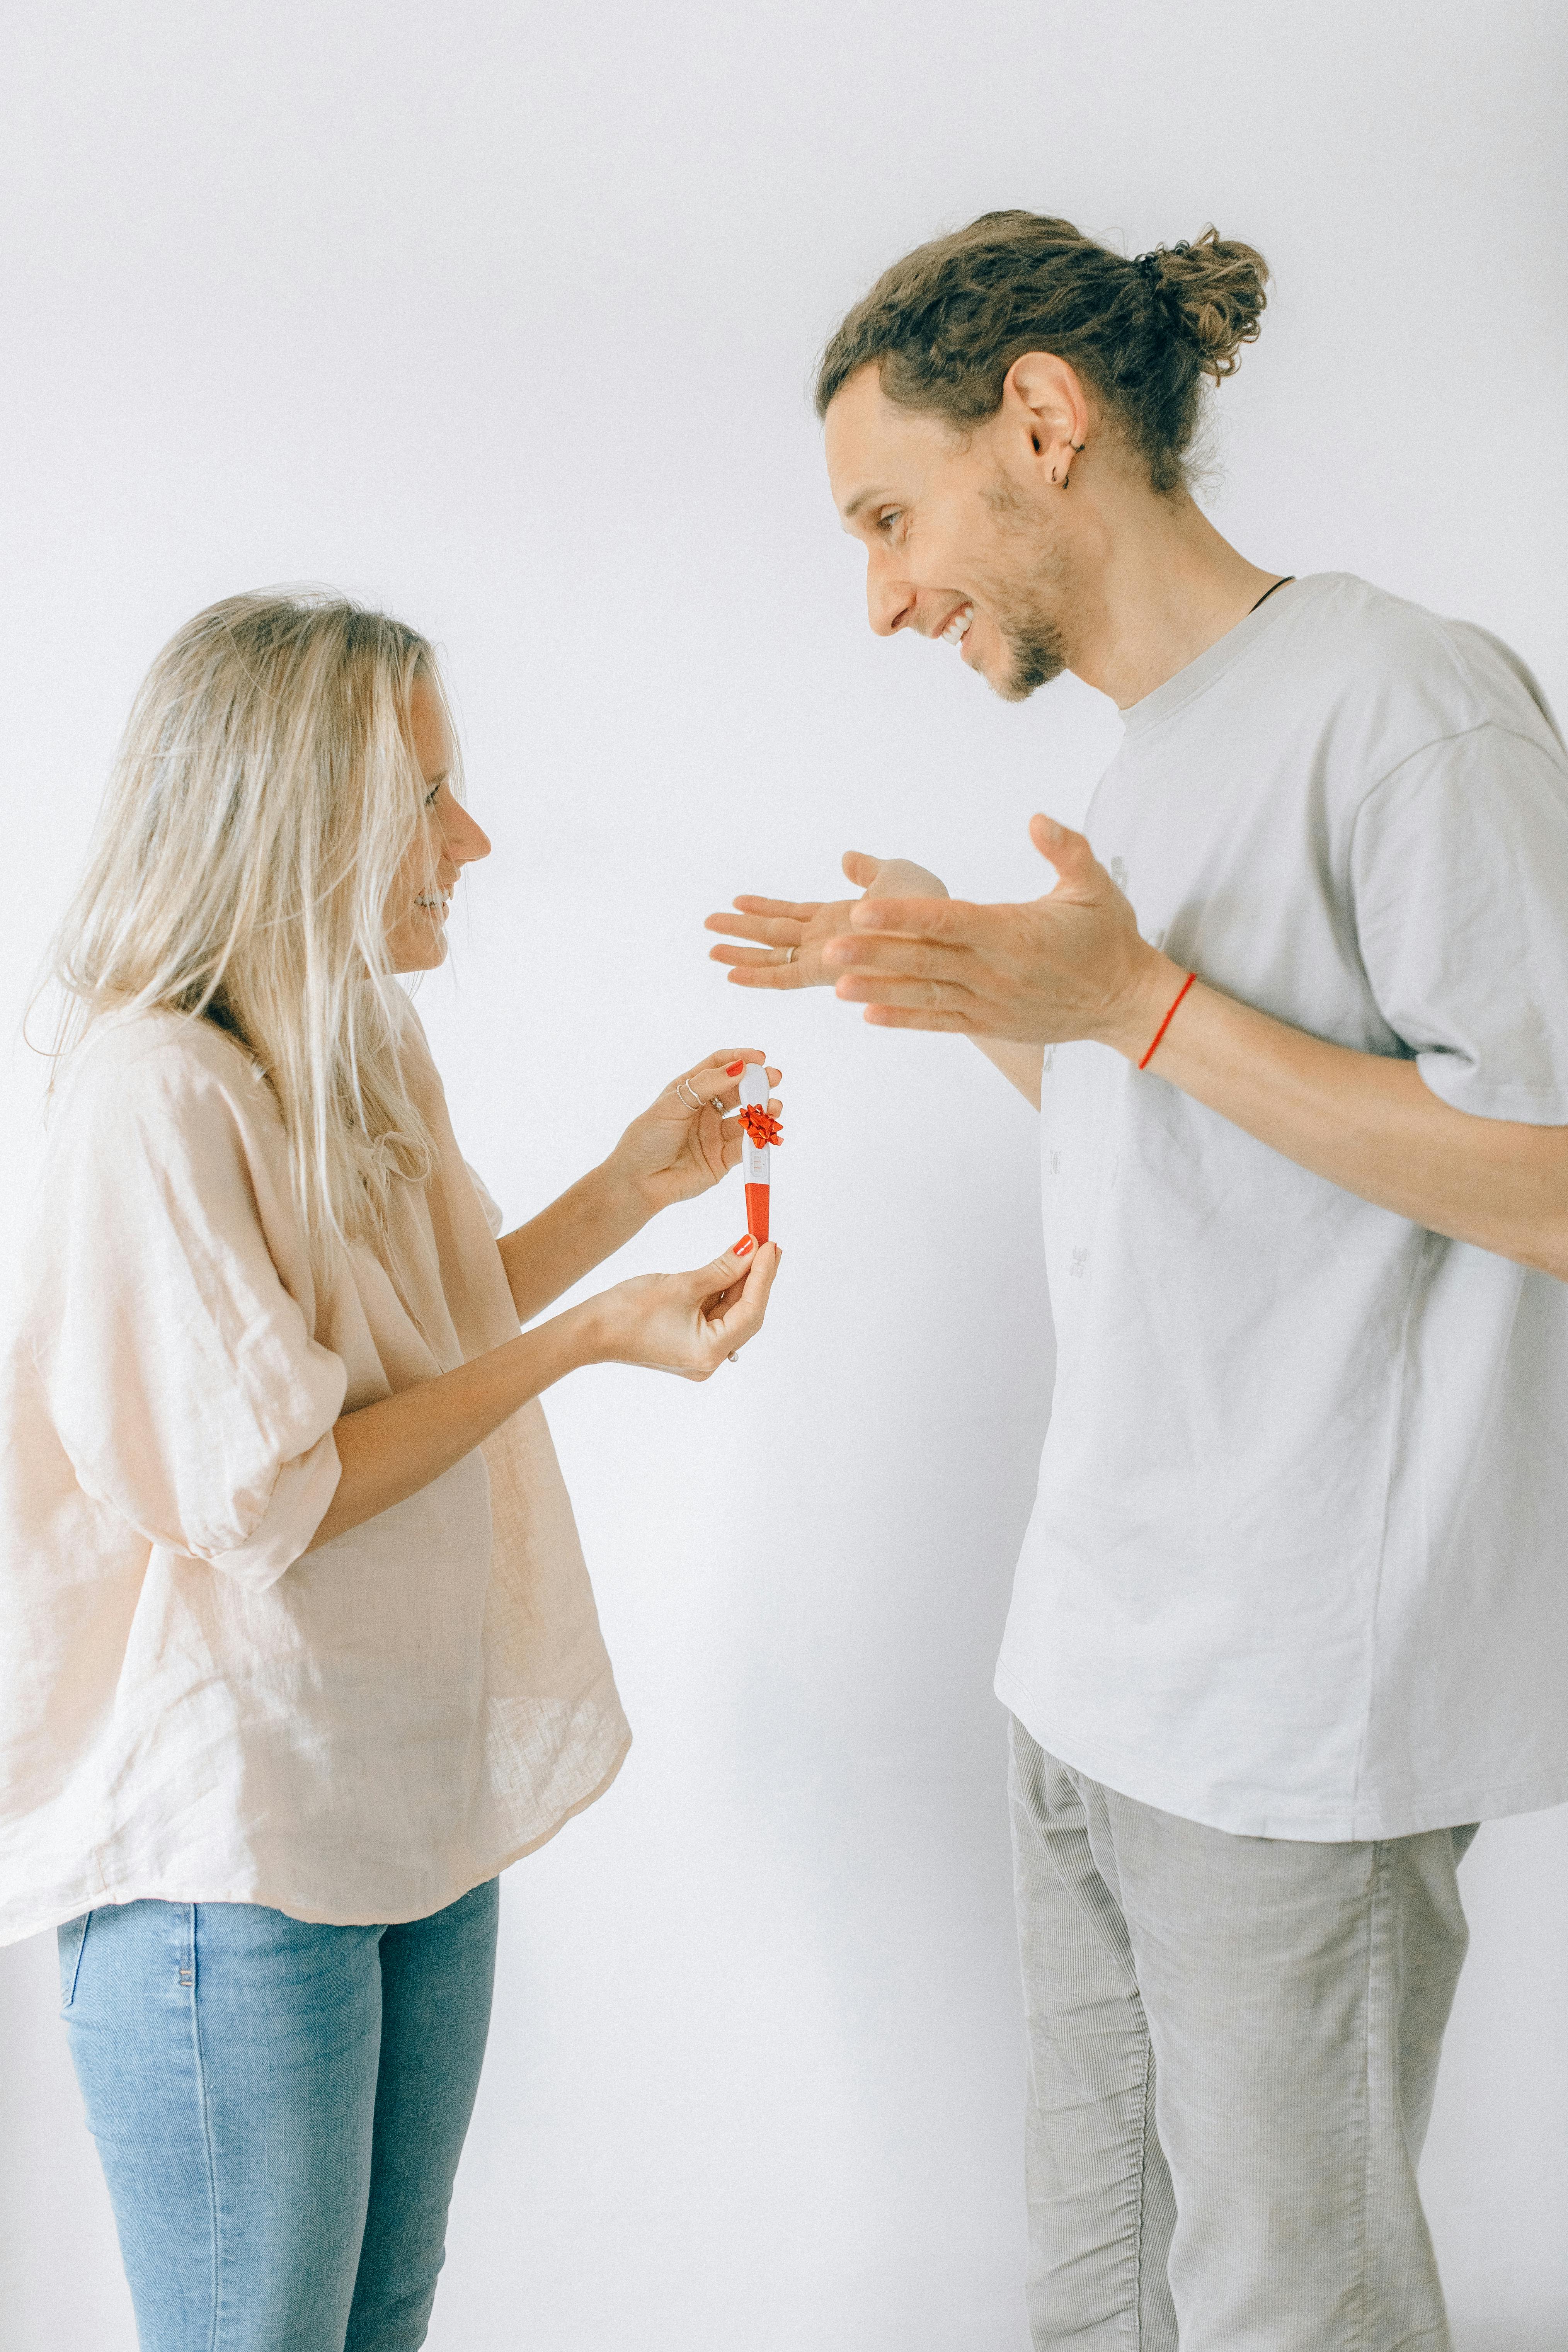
(1068,852)
(884,988)
(897,1016)
(914,919)
(771,930)
(797,911)
(859,868)
(912,959)
(761,967)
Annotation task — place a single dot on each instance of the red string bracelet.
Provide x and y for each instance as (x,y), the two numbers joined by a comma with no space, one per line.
(1167,1021)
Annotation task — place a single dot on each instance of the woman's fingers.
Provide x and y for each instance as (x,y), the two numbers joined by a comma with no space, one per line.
(718,1078)
(734,1317)
(708,1283)
(720,1075)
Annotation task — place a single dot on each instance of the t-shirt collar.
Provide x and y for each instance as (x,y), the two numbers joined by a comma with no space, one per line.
(1212,664)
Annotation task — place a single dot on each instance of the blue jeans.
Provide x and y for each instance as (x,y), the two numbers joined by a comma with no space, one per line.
(278,2109)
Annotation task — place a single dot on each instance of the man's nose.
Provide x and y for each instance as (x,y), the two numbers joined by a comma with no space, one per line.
(890,602)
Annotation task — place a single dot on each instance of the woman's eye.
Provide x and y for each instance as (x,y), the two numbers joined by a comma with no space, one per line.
(430,795)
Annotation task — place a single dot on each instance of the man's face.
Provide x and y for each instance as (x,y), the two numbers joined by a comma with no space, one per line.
(960,544)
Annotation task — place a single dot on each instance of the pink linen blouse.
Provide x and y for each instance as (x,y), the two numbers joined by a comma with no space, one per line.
(190,1709)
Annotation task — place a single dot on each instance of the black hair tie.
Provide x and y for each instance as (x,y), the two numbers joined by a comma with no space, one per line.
(1169,298)
(1149,263)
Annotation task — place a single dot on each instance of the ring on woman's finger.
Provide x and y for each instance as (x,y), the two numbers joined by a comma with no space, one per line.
(692,1100)
(718,1103)
(789,955)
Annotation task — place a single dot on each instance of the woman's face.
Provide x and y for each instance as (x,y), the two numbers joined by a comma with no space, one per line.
(417,910)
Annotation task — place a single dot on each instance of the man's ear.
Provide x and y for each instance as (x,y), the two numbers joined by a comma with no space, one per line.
(1044,397)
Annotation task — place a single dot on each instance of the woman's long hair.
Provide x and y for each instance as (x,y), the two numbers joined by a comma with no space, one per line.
(264,795)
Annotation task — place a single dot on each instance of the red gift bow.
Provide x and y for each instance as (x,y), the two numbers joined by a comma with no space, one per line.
(761,1126)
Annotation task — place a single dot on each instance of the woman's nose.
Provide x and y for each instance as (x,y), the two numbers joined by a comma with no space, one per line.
(464,840)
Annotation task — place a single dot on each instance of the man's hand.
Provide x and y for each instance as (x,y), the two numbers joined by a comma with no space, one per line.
(1069,965)
(806,926)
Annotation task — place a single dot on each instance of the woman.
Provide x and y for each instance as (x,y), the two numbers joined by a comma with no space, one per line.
(299,1649)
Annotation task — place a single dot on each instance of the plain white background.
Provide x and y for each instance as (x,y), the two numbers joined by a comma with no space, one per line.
(504,316)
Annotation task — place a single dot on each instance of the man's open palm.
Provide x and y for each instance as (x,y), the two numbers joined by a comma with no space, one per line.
(806,926)
(1068,965)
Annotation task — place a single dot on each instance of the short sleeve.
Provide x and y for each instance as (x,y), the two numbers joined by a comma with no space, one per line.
(180,1373)
(495,1216)
(1459,878)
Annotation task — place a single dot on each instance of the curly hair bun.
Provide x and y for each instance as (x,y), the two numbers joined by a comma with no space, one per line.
(1215,289)
(942,326)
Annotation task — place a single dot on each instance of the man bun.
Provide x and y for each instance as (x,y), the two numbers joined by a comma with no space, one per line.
(1214,292)
(942,327)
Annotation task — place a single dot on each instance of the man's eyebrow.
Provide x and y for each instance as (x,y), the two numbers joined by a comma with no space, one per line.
(858,501)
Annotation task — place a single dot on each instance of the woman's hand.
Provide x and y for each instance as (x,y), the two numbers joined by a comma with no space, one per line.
(795,932)
(686,1323)
(675,1150)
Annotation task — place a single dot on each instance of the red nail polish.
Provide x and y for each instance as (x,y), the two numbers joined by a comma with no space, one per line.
(734,1069)
(744,1247)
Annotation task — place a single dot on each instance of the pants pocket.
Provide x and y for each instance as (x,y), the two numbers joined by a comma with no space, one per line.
(70,1938)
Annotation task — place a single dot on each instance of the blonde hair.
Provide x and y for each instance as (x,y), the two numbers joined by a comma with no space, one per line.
(264,795)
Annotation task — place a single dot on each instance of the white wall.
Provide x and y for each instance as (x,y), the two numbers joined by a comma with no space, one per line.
(504,316)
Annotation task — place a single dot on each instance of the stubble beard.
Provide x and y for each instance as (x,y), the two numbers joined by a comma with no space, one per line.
(1037,651)
(1037,648)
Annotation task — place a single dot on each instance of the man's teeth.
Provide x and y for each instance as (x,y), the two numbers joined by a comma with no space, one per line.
(957,628)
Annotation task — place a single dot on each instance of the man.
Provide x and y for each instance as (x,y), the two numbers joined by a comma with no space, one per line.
(1291,1617)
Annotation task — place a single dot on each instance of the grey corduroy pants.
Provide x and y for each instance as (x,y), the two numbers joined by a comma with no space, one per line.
(1232,2046)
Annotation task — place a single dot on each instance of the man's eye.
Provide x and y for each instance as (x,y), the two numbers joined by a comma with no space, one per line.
(886,521)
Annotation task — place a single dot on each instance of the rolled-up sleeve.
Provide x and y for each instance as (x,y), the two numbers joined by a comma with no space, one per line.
(1459,871)
(181,1374)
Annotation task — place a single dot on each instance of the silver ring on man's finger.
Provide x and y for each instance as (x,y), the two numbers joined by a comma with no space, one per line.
(693,1100)
(789,955)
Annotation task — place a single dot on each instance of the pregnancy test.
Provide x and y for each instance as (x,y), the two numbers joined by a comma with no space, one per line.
(757,1153)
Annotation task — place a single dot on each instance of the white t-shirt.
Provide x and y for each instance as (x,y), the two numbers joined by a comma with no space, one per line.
(1298,1562)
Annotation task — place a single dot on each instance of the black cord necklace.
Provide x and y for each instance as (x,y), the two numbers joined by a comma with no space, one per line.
(1269,591)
